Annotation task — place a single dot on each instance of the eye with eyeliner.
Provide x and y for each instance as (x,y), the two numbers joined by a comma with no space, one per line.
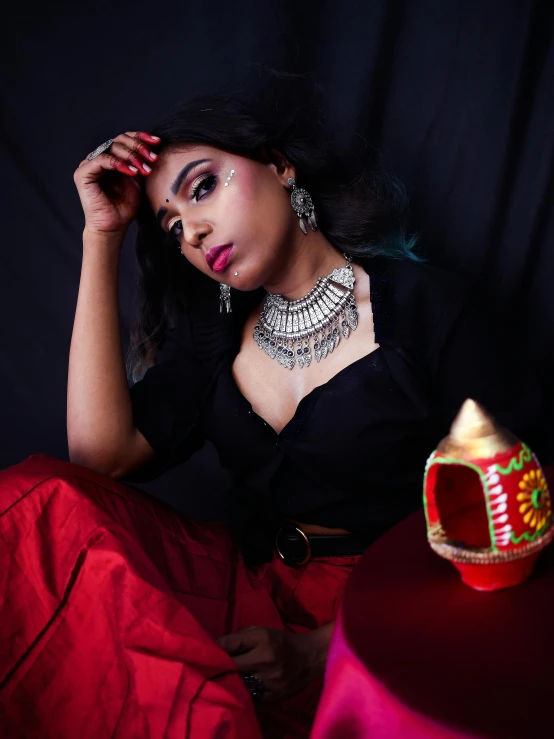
(196,187)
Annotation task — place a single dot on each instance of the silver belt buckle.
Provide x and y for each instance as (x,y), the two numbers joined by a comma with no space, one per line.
(306,541)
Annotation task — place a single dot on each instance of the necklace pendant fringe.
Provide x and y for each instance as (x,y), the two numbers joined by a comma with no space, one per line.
(323,345)
(330,340)
(299,354)
(345,327)
(352,313)
(317,351)
(307,355)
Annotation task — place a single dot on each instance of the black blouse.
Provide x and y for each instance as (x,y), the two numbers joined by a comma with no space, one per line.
(353,454)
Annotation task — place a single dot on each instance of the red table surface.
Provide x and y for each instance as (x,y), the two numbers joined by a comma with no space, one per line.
(433,657)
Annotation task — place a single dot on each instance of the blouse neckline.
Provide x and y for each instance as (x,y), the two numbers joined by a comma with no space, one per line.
(312,396)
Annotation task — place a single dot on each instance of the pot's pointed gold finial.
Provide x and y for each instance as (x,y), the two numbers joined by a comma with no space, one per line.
(474,434)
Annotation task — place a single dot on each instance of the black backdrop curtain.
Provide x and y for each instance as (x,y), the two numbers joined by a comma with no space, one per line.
(458,94)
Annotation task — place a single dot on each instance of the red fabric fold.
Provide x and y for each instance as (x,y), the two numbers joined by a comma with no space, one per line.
(110,606)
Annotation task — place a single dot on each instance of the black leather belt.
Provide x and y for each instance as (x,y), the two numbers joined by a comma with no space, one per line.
(295,547)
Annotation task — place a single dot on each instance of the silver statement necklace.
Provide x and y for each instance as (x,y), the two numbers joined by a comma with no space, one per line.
(286,327)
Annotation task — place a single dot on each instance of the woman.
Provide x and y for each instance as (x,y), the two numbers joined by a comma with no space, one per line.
(128,620)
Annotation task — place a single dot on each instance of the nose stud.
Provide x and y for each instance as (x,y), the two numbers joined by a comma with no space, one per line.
(229,178)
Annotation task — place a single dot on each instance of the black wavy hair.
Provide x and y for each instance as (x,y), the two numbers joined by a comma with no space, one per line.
(361,208)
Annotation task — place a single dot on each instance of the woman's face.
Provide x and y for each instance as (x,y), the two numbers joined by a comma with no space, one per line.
(251,211)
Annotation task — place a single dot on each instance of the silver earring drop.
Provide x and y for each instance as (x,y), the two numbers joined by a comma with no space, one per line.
(224,297)
(302,203)
(225,290)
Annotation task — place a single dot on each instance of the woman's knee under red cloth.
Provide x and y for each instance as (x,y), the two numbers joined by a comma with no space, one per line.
(110,606)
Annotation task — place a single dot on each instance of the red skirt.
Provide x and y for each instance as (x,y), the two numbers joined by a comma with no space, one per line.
(110,606)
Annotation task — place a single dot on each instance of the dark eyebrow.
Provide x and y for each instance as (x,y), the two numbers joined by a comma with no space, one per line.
(175,186)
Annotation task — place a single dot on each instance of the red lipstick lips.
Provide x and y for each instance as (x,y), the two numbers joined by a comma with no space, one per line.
(218,256)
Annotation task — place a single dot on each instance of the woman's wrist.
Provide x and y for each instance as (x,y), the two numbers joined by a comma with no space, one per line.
(315,645)
(322,638)
(102,242)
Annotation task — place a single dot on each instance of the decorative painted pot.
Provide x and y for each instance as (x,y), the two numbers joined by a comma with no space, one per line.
(487,502)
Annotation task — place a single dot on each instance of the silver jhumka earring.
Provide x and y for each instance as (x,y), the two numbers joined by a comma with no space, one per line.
(302,203)
(225,290)
(224,297)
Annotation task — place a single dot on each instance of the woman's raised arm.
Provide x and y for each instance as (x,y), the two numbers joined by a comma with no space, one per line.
(100,429)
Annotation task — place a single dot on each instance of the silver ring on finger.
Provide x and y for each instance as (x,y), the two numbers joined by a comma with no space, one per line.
(255,686)
(100,149)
